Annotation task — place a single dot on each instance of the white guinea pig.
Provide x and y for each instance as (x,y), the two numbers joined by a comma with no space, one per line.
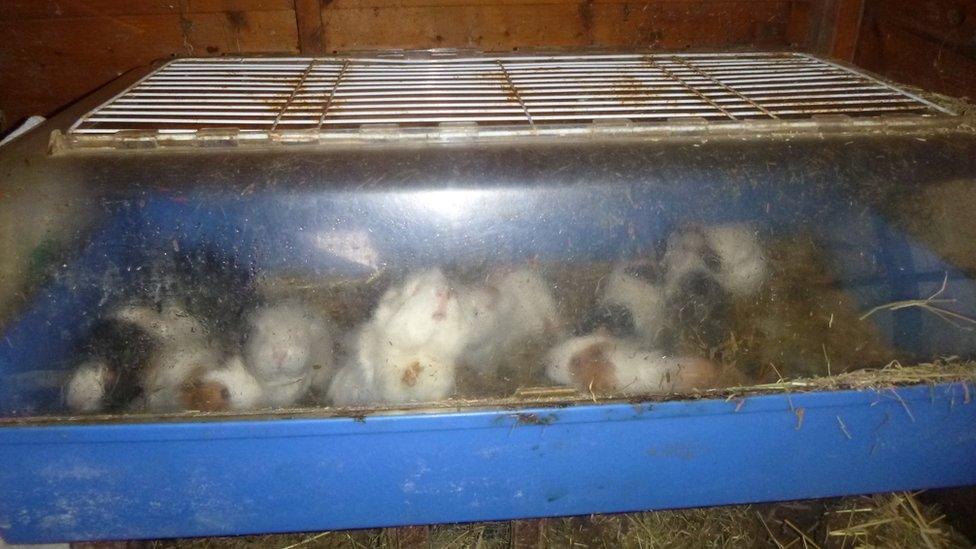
(604,364)
(511,308)
(422,313)
(526,301)
(731,254)
(389,374)
(87,387)
(742,263)
(289,348)
(646,299)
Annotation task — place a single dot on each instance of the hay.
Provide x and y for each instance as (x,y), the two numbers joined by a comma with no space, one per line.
(896,520)
(891,520)
(945,370)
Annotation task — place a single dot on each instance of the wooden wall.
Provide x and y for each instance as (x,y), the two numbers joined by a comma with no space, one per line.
(928,43)
(54,51)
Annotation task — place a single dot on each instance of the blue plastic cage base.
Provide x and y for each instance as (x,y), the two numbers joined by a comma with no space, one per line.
(131,481)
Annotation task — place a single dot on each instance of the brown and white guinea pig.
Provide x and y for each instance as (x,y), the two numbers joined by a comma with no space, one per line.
(603,364)
(512,307)
(289,348)
(230,387)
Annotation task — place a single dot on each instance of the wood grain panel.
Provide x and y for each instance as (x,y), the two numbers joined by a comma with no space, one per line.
(308,15)
(351,24)
(927,43)
(52,53)
(47,63)
(41,9)
(216,33)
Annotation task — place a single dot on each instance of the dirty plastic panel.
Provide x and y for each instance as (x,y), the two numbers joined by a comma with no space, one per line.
(369,276)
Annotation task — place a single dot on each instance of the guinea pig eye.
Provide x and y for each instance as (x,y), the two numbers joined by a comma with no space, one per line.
(644,271)
(225,393)
(712,261)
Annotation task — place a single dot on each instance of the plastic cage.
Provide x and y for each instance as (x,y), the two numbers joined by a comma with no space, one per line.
(279,294)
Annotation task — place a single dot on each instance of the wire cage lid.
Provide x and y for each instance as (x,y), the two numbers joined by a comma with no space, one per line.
(309,99)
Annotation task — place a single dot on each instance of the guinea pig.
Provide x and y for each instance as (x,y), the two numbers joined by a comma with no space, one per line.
(181,348)
(289,348)
(87,387)
(512,307)
(108,380)
(408,350)
(169,370)
(643,294)
(732,254)
(527,301)
(228,388)
(351,387)
(602,364)
(388,374)
(423,313)
(742,264)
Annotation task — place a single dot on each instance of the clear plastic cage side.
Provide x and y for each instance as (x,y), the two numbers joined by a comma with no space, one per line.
(424,277)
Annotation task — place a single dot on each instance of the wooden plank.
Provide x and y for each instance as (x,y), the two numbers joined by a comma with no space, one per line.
(670,24)
(846,27)
(11,10)
(217,33)
(834,27)
(34,9)
(56,61)
(210,6)
(308,16)
(952,24)
(909,57)
(798,29)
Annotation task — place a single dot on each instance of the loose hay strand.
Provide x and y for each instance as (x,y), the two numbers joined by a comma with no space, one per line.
(927,305)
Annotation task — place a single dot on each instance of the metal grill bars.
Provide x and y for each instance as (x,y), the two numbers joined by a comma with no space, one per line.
(269,95)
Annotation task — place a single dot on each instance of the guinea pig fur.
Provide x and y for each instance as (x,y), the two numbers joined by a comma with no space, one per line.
(228,388)
(604,364)
(289,348)
(85,391)
(423,313)
(742,262)
(646,300)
